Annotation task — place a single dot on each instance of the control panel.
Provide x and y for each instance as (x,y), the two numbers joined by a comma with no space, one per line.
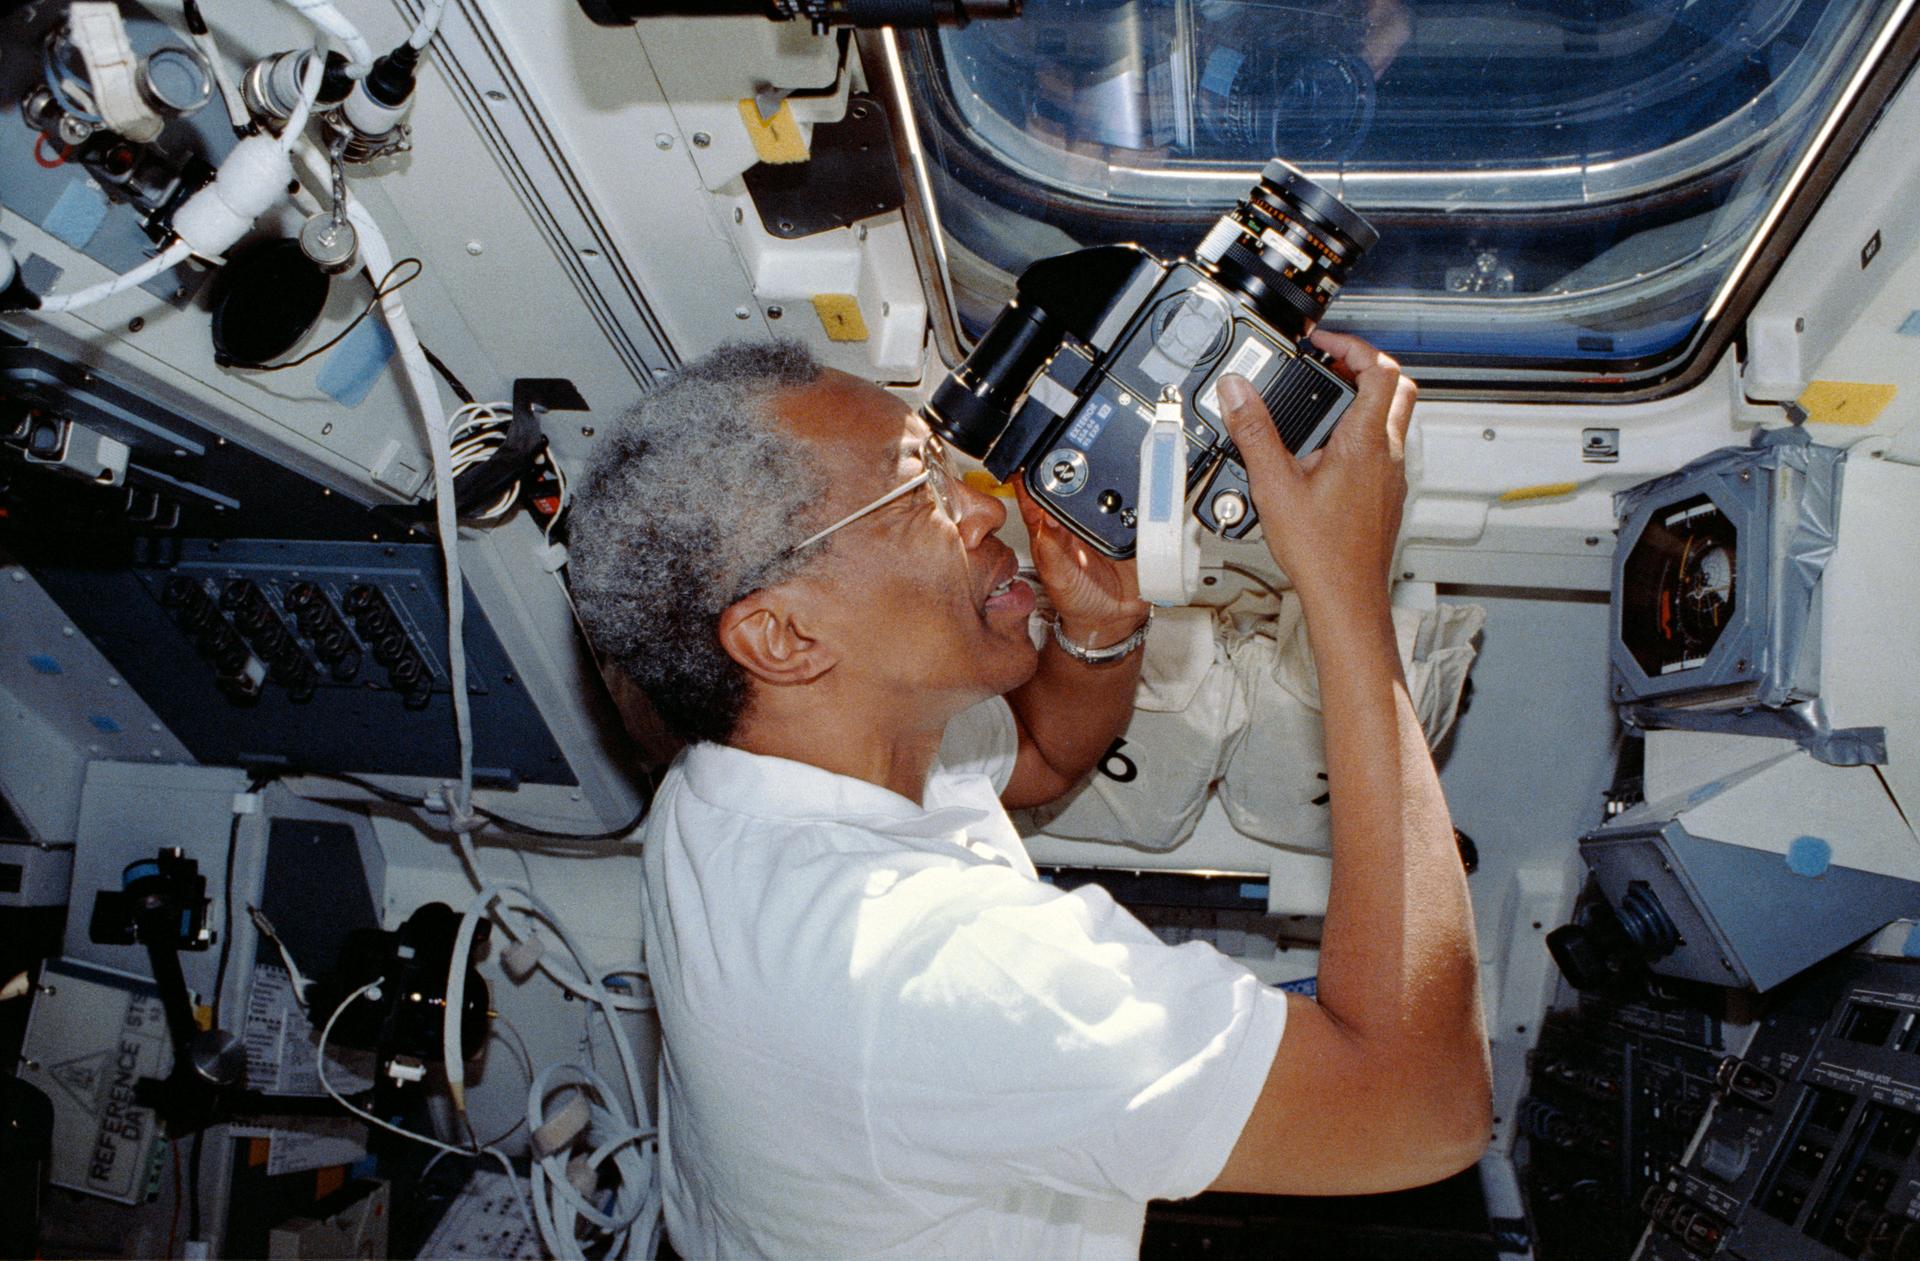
(1810,1149)
(1617,1092)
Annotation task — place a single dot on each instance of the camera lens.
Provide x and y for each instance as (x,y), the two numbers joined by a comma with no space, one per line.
(1287,247)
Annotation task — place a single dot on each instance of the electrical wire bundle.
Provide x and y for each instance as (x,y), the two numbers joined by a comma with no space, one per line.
(595,1168)
(475,431)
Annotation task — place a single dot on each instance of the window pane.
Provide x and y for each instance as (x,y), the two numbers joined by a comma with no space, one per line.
(1562,186)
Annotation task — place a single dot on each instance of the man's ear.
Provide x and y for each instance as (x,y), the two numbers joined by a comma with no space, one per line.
(767,632)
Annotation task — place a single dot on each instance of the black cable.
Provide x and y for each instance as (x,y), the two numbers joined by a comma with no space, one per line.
(386,286)
(1249,574)
(460,391)
(226,920)
(193,1185)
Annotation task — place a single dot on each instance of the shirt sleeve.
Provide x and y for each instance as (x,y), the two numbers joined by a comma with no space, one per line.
(982,740)
(1028,1035)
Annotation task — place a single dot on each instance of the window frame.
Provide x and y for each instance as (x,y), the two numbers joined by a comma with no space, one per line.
(911,75)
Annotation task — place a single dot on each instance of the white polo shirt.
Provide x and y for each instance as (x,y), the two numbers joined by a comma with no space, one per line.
(885,1036)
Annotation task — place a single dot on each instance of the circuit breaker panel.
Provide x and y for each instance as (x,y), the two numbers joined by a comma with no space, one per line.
(1810,1150)
(1617,1092)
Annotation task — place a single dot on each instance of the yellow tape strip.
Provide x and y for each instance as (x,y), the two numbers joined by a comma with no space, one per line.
(1548,490)
(775,139)
(983,481)
(1846,402)
(840,315)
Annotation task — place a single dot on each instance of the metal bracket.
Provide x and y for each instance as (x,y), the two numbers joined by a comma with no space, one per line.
(851,176)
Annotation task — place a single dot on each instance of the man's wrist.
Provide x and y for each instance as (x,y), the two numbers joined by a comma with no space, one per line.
(1096,633)
(1119,650)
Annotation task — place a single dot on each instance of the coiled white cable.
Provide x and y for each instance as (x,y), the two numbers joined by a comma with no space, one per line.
(577,986)
(632,1222)
(476,431)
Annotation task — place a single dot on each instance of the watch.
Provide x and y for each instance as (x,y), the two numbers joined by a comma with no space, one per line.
(1102,656)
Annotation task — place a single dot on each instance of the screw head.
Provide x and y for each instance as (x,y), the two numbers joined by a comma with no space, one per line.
(775,311)
(701,140)
(741,313)
(476,248)
(586,431)
(135,324)
(1487,434)
(663,142)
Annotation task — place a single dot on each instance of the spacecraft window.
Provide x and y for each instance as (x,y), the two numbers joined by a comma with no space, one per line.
(1565,192)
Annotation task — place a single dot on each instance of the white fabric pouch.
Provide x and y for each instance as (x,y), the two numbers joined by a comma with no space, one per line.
(1151,787)
(1274,786)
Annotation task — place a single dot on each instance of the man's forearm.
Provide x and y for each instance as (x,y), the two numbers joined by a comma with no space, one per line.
(1072,710)
(1397,950)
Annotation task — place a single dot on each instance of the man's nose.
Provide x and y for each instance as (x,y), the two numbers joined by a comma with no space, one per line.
(980,513)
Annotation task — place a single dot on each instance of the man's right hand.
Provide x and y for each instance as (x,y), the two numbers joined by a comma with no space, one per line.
(1331,518)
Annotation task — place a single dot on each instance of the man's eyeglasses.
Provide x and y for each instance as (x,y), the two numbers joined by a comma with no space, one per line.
(939,478)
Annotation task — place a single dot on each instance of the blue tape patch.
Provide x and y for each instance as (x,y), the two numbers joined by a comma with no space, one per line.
(43,663)
(1309,985)
(1910,327)
(1222,66)
(1809,856)
(348,375)
(1912,948)
(1254,890)
(78,214)
(104,725)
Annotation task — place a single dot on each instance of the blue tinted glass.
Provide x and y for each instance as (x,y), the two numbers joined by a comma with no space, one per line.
(1563,187)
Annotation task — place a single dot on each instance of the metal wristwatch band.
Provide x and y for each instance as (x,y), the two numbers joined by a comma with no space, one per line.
(1101,656)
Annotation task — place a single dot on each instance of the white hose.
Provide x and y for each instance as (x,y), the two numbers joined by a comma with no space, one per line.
(323,14)
(429,23)
(574,985)
(417,375)
(303,108)
(229,90)
(166,260)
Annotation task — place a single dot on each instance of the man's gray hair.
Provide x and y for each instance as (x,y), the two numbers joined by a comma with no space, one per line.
(694,501)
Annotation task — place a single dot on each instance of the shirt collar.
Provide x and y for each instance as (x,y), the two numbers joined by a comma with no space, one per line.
(780,788)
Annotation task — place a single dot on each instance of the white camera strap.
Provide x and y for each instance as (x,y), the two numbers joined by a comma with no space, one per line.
(1168,537)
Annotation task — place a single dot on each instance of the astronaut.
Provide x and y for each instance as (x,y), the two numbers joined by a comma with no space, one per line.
(884,1034)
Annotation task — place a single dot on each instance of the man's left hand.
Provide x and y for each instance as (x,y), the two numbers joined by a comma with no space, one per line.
(1097,597)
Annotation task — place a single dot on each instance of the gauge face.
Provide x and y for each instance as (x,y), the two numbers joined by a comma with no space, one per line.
(1679,587)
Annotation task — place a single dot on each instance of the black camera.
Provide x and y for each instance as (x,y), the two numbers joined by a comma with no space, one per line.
(1064,383)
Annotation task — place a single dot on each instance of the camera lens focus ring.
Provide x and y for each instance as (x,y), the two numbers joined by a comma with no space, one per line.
(1291,186)
(1242,268)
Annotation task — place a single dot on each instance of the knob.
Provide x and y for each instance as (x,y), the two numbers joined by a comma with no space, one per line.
(1229,507)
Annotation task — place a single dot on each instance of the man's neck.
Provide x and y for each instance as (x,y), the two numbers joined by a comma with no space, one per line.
(848,740)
